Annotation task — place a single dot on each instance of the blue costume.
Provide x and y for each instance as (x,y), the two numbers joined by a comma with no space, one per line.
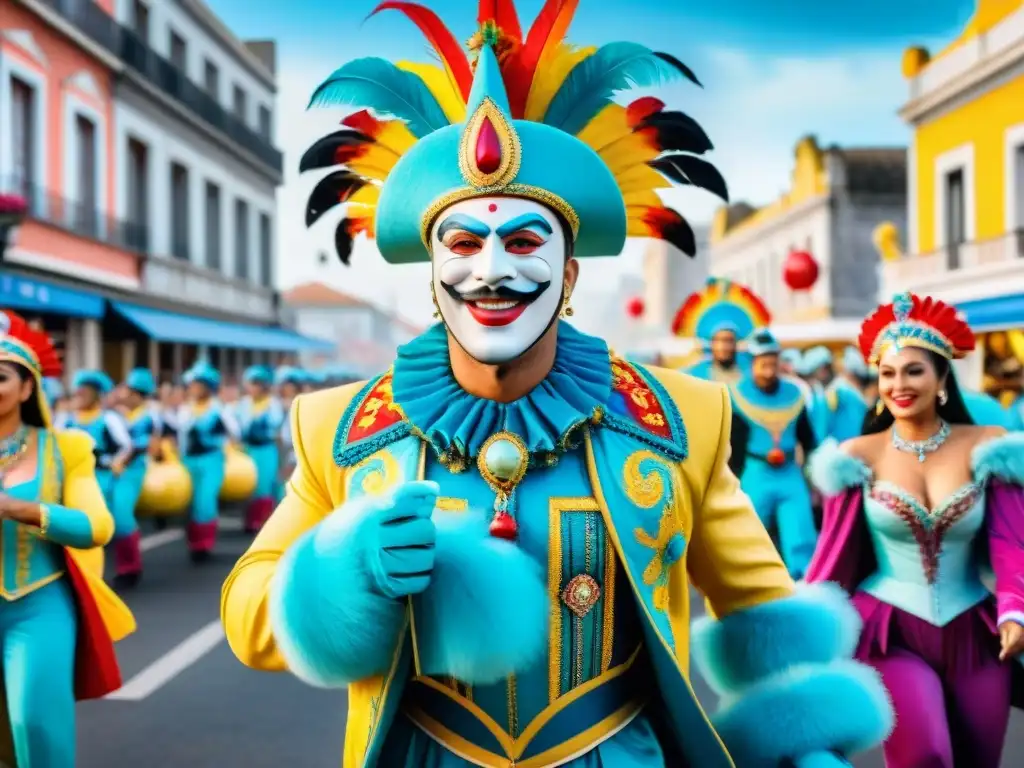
(985,409)
(260,424)
(722,307)
(767,428)
(813,360)
(144,424)
(204,430)
(847,405)
(548,624)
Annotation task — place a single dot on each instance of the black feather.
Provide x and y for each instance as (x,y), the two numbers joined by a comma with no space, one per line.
(678,132)
(678,233)
(323,153)
(683,69)
(333,189)
(686,169)
(343,241)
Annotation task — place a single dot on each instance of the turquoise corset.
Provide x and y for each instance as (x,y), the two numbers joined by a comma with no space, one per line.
(259,426)
(28,562)
(928,561)
(141,427)
(772,416)
(595,627)
(204,433)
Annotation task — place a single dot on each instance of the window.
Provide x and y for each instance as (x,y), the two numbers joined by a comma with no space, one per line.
(241,240)
(86,219)
(23,137)
(139,21)
(211,78)
(266,252)
(240,103)
(179,52)
(213,229)
(956,225)
(138,195)
(179,212)
(265,122)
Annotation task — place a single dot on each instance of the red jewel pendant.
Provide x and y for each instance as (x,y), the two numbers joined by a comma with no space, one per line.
(488,148)
(503,526)
(776,457)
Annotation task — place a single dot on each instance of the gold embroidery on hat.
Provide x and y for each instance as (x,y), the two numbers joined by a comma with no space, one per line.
(508,140)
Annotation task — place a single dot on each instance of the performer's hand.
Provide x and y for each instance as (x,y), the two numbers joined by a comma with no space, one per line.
(1011,640)
(400,539)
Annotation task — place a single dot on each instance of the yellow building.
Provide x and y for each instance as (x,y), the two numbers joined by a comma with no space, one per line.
(965,195)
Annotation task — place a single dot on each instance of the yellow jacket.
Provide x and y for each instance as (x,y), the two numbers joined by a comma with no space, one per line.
(730,557)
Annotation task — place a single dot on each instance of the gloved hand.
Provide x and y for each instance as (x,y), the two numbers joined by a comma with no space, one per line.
(398,539)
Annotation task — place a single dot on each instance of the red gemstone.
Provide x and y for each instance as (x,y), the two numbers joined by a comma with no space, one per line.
(503,526)
(776,457)
(488,148)
(492,207)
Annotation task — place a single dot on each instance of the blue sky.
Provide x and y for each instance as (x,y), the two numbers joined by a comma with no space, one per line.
(773,71)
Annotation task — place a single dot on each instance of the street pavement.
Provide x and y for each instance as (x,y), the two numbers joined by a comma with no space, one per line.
(188,702)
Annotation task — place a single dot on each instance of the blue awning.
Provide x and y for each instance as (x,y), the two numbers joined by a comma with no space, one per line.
(25,295)
(187,329)
(996,313)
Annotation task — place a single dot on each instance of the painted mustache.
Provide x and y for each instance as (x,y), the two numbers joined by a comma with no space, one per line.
(501,293)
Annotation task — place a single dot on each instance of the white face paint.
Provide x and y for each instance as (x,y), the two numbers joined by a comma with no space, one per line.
(499,268)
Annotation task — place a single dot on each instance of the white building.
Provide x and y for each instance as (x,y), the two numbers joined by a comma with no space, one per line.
(837,198)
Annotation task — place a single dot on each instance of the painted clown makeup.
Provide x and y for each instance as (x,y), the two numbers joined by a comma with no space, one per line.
(498,274)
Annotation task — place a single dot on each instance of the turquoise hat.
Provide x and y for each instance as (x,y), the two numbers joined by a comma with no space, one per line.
(517,115)
(142,381)
(763,343)
(97,380)
(258,374)
(289,374)
(792,356)
(204,373)
(854,364)
(815,358)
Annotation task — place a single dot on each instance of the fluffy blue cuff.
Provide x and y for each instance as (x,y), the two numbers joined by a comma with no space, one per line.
(1002,458)
(842,706)
(330,625)
(814,626)
(832,471)
(484,615)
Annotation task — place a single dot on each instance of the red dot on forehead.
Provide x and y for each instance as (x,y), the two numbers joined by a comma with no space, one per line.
(492,207)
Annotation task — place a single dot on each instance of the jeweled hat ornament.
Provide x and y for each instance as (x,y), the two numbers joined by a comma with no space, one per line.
(721,306)
(524,116)
(33,350)
(913,321)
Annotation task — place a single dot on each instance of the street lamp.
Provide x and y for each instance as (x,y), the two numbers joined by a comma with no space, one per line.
(12,213)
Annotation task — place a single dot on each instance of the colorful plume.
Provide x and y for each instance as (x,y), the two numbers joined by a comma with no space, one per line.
(722,304)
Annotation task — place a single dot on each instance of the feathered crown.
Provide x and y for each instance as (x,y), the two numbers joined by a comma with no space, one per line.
(527,116)
(722,305)
(912,321)
(22,344)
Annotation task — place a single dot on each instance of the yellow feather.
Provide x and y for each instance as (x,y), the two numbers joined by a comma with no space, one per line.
(375,164)
(639,178)
(646,197)
(608,126)
(636,227)
(627,152)
(441,84)
(367,212)
(551,73)
(366,197)
(396,137)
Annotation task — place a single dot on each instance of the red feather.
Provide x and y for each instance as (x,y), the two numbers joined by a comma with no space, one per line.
(550,26)
(937,315)
(641,109)
(363,122)
(439,36)
(38,341)
(503,14)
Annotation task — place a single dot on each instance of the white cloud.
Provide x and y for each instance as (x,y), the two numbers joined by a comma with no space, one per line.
(754,109)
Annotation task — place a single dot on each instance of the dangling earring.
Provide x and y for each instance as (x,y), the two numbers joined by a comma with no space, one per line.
(943,397)
(566,306)
(879,407)
(433,297)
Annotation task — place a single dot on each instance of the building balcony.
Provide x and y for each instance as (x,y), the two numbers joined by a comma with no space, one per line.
(160,73)
(178,280)
(960,273)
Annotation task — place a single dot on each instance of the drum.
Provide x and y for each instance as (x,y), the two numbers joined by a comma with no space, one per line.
(239,476)
(167,487)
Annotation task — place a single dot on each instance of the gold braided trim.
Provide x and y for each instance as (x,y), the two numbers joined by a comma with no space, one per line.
(508,140)
(526,191)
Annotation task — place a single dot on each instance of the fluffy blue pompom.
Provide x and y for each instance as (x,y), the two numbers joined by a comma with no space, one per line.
(484,615)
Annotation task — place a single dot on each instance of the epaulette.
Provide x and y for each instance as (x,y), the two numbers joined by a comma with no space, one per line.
(641,407)
(370,422)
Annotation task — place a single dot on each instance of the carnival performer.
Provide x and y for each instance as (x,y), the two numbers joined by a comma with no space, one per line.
(260,419)
(719,318)
(816,369)
(105,426)
(58,620)
(145,428)
(769,422)
(205,428)
(910,506)
(491,544)
(789,362)
(847,397)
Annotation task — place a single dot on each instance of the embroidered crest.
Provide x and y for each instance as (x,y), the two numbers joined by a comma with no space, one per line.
(640,401)
(371,421)
(641,407)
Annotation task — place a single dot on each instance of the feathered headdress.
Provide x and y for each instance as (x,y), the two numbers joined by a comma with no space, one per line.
(522,115)
(912,321)
(722,306)
(32,349)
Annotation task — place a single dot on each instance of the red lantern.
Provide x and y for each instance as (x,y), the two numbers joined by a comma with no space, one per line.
(635,307)
(800,271)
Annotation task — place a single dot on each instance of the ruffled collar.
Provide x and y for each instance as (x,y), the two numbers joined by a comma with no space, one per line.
(456,423)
